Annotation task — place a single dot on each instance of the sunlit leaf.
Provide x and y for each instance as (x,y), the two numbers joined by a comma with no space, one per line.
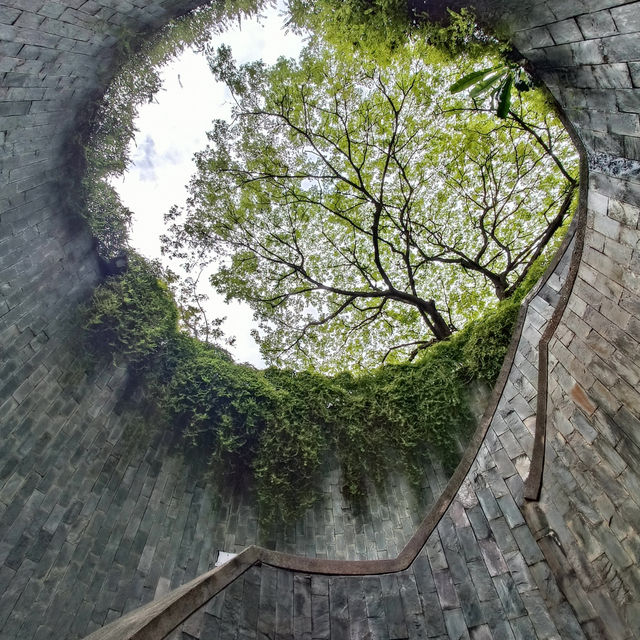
(469,80)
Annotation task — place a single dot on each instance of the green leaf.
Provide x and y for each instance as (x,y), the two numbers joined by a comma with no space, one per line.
(469,80)
(504,100)
(483,87)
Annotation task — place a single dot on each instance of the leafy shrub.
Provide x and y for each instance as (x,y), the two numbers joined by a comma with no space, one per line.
(292,446)
(482,345)
(220,406)
(132,316)
(361,434)
(487,342)
(376,27)
(435,407)
(108,218)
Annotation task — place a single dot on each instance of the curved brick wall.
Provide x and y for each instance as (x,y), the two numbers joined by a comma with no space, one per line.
(92,526)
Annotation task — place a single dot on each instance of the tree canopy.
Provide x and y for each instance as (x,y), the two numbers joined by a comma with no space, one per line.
(380,27)
(363,210)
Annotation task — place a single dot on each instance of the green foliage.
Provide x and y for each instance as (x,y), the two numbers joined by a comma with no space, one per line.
(397,415)
(294,445)
(539,267)
(389,419)
(354,23)
(133,316)
(486,342)
(376,28)
(108,218)
(274,429)
(496,82)
(221,407)
(363,445)
(459,35)
(483,343)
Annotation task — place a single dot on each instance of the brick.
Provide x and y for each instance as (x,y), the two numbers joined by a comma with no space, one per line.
(620,48)
(627,99)
(65,30)
(511,511)
(14,108)
(446,590)
(580,397)
(493,557)
(612,76)
(565,31)
(568,8)
(535,38)
(501,629)
(603,142)
(540,14)
(52,9)
(598,344)
(469,543)
(8,15)
(523,628)
(626,124)
(509,596)
(481,632)
(455,623)
(626,18)
(527,545)
(597,24)
(562,55)
(608,74)
(588,296)
(632,148)
(588,52)
(28,20)
(472,609)
(502,535)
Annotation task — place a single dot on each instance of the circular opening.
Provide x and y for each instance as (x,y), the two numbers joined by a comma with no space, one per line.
(384,210)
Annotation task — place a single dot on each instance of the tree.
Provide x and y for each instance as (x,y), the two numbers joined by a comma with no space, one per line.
(363,210)
(379,27)
(192,306)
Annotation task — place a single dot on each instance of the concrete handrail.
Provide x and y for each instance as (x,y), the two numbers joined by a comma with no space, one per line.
(158,618)
(533,483)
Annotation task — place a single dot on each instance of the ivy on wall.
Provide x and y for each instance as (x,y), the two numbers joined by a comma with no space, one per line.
(273,429)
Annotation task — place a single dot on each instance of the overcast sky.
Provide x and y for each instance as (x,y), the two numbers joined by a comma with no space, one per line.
(173,128)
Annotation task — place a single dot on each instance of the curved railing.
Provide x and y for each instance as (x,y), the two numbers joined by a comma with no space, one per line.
(533,483)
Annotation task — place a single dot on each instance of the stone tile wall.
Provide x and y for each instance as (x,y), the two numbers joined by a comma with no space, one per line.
(588,518)
(100,513)
(83,513)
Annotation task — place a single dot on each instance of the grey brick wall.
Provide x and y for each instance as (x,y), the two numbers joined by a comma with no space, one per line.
(587,53)
(91,525)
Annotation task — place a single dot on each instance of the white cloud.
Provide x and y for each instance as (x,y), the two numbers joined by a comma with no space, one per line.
(145,159)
